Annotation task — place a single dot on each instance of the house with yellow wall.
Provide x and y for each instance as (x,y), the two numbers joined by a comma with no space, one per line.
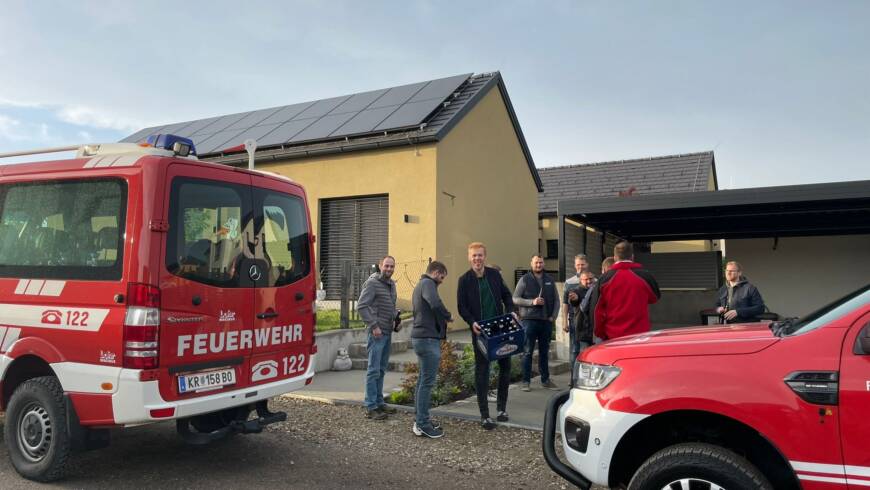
(416,171)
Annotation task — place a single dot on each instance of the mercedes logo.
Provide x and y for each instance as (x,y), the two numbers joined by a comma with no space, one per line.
(254,273)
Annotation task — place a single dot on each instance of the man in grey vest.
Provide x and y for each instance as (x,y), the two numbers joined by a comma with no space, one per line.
(538,301)
(377,307)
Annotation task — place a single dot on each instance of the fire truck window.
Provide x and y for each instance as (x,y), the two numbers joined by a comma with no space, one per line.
(47,229)
(204,242)
(285,231)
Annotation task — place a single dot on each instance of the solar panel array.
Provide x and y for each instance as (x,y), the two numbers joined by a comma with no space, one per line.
(402,107)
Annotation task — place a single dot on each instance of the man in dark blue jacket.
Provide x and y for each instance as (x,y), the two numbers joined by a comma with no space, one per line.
(481,295)
(738,301)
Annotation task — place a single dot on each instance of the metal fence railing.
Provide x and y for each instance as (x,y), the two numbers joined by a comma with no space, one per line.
(406,276)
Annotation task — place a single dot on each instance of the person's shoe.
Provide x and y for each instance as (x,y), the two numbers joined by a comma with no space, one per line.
(502,417)
(387,409)
(487,423)
(526,387)
(550,385)
(376,414)
(490,396)
(429,431)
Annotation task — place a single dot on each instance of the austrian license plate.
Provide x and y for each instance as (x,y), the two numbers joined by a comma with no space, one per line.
(209,380)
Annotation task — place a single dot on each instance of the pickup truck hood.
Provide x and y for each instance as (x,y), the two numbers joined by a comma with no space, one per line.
(734,339)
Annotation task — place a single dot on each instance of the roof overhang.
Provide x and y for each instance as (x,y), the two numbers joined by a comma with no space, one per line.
(841,208)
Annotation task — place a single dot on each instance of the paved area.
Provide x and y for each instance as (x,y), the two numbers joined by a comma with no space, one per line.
(320,446)
(526,409)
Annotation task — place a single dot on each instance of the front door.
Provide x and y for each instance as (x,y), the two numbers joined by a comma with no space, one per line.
(855,406)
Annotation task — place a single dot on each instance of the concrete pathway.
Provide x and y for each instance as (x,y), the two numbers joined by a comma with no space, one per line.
(526,409)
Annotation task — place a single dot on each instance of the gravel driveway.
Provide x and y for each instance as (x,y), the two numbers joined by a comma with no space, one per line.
(319,446)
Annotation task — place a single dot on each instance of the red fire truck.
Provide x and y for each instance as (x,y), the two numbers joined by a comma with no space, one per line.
(137,285)
(784,405)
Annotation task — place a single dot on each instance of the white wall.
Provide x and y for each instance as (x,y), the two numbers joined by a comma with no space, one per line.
(803,273)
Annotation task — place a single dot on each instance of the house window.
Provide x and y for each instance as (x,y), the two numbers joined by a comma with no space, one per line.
(552,249)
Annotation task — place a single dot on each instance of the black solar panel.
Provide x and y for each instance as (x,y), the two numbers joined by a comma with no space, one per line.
(284,132)
(358,102)
(366,121)
(440,89)
(286,113)
(196,126)
(409,114)
(322,128)
(398,95)
(377,110)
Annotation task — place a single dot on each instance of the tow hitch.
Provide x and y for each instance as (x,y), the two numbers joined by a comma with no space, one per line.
(239,425)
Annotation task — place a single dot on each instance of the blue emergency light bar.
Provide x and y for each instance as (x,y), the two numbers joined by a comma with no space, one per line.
(176,144)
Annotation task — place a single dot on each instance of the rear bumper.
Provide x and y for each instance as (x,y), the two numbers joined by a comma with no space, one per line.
(134,400)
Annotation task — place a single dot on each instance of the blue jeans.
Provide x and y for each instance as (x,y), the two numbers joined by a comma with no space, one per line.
(576,348)
(379,359)
(428,357)
(540,331)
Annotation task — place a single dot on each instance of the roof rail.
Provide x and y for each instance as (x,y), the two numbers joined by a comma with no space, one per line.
(56,149)
(92,150)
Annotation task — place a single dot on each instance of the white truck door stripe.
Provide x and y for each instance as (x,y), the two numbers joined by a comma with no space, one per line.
(52,288)
(11,336)
(56,317)
(22,286)
(34,287)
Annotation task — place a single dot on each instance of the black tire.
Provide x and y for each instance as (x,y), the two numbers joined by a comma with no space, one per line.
(36,430)
(700,463)
(211,422)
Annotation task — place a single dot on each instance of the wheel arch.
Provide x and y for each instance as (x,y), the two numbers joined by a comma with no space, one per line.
(18,371)
(668,428)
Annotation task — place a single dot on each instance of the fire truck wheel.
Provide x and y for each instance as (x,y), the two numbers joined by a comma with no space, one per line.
(36,429)
(211,422)
(697,465)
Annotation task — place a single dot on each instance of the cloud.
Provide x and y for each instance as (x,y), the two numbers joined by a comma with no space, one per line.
(86,116)
(10,129)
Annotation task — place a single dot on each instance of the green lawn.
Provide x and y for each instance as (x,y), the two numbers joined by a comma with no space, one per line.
(330,320)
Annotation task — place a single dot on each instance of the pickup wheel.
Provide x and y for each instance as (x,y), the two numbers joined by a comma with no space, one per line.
(36,430)
(697,466)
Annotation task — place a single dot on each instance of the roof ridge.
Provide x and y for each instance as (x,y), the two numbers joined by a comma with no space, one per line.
(630,160)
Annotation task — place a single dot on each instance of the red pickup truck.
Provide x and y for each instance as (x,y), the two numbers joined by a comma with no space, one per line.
(784,405)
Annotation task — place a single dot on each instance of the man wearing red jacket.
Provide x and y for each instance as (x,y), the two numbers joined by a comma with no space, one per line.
(620,302)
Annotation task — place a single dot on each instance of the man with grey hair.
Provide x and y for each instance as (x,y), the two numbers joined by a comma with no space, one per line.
(377,308)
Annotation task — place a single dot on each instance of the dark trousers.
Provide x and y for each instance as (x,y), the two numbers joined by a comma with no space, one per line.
(481,381)
(537,331)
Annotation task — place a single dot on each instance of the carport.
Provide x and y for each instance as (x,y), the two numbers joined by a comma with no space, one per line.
(801,245)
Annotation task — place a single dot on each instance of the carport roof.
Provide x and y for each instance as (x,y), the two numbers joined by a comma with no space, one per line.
(840,208)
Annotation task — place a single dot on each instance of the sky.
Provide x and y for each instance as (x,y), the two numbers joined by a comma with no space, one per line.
(780,90)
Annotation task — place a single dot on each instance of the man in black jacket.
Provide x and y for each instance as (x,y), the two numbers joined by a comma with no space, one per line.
(430,328)
(481,295)
(738,300)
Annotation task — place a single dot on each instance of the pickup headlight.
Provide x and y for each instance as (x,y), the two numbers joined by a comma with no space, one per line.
(594,377)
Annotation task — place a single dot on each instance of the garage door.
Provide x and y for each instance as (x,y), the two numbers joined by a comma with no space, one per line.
(354,229)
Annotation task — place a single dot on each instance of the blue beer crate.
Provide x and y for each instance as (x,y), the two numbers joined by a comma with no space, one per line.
(501,337)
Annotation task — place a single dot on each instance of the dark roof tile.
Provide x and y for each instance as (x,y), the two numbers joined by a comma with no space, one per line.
(655,175)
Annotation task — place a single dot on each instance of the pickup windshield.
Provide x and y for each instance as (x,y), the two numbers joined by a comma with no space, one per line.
(824,315)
